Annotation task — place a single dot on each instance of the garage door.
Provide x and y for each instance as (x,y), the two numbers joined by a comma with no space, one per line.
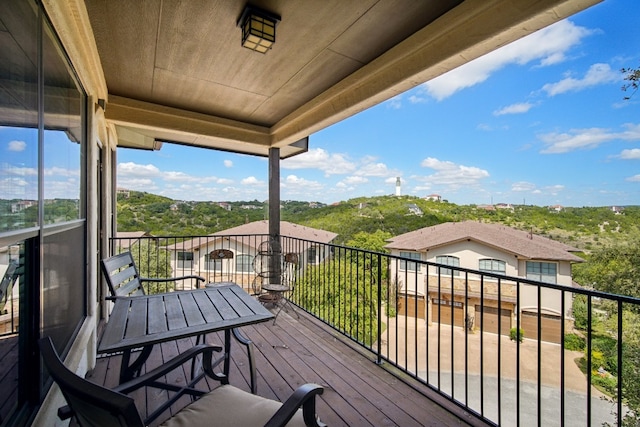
(490,318)
(447,310)
(550,326)
(410,306)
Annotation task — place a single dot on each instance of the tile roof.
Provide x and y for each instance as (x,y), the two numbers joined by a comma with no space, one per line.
(520,243)
(255,228)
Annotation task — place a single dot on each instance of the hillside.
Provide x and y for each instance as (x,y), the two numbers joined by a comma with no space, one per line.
(586,228)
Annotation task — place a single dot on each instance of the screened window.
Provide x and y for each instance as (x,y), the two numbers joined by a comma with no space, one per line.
(408,265)
(185,260)
(448,260)
(244,263)
(542,271)
(493,266)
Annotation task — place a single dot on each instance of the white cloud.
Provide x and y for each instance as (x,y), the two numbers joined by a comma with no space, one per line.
(554,189)
(451,174)
(586,138)
(7,169)
(294,185)
(353,180)
(228,164)
(133,169)
(547,46)
(395,102)
(251,180)
(17,145)
(374,169)
(598,74)
(633,154)
(514,109)
(58,172)
(635,178)
(523,186)
(318,158)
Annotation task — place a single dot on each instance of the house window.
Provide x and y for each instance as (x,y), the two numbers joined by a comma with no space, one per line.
(409,266)
(493,266)
(311,255)
(185,260)
(448,260)
(542,271)
(213,264)
(244,263)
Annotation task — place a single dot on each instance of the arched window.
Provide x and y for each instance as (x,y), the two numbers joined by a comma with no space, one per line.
(453,261)
(496,266)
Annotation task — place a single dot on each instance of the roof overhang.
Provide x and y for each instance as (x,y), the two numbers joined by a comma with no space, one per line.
(176,72)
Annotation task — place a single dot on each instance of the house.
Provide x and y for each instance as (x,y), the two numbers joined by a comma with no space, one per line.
(434,197)
(414,209)
(505,206)
(126,239)
(489,248)
(618,210)
(195,255)
(88,77)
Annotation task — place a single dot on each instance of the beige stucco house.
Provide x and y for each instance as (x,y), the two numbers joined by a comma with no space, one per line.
(229,255)
(444,293)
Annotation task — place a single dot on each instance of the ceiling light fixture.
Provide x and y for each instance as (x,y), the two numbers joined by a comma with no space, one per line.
(258,28)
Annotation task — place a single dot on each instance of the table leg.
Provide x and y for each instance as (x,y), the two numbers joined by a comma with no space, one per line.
(128,371)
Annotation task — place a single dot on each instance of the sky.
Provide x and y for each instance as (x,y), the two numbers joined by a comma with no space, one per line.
(542,121)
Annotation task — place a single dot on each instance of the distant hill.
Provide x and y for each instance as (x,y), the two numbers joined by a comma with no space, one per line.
(585,228)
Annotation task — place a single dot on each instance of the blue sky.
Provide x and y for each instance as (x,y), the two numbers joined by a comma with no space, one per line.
(541,121)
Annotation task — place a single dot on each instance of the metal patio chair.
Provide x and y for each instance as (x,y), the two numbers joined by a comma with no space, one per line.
(226,405)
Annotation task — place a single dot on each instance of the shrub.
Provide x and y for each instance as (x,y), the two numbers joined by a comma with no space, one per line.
(574,342)
(513,334)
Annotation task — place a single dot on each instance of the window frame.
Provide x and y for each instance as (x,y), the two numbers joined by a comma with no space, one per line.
(539,276)
(182,263)
(410,265)
(446,260)
(493,270)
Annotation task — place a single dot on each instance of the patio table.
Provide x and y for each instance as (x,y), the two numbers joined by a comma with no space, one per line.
(142,321)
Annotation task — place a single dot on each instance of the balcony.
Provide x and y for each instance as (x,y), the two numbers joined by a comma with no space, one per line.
(388,354)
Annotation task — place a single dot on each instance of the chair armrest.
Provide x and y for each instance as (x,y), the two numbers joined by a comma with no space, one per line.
(171,279)
(205,349)
(305,397)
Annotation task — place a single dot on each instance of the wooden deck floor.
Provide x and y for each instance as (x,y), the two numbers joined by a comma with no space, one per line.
(296,351)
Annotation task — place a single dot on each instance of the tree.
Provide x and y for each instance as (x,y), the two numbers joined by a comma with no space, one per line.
(632,76)
(342,294)
(615,269)
(153,262)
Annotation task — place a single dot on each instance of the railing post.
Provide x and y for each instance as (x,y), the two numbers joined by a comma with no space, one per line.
(379,316)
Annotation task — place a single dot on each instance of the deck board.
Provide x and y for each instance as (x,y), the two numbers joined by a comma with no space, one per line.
(357,392)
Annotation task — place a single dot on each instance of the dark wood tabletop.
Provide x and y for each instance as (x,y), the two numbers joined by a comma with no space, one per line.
(151,319)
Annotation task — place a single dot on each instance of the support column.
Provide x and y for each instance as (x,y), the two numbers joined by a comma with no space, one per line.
(274,212)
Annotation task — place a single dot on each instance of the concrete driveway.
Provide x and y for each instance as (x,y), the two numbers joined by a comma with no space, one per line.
(464,360)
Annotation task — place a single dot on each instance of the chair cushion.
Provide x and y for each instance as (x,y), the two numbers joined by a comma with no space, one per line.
(229,406)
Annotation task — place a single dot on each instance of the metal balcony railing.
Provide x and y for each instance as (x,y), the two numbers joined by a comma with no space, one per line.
(510,350)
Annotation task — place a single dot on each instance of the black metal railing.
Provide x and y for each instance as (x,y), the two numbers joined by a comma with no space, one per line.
(510,350)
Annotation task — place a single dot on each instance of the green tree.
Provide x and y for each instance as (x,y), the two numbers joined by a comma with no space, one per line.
(153,262)
(342,294)
(632,77)
(614,269)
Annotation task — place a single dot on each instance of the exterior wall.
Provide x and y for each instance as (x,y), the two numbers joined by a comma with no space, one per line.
(469,254)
